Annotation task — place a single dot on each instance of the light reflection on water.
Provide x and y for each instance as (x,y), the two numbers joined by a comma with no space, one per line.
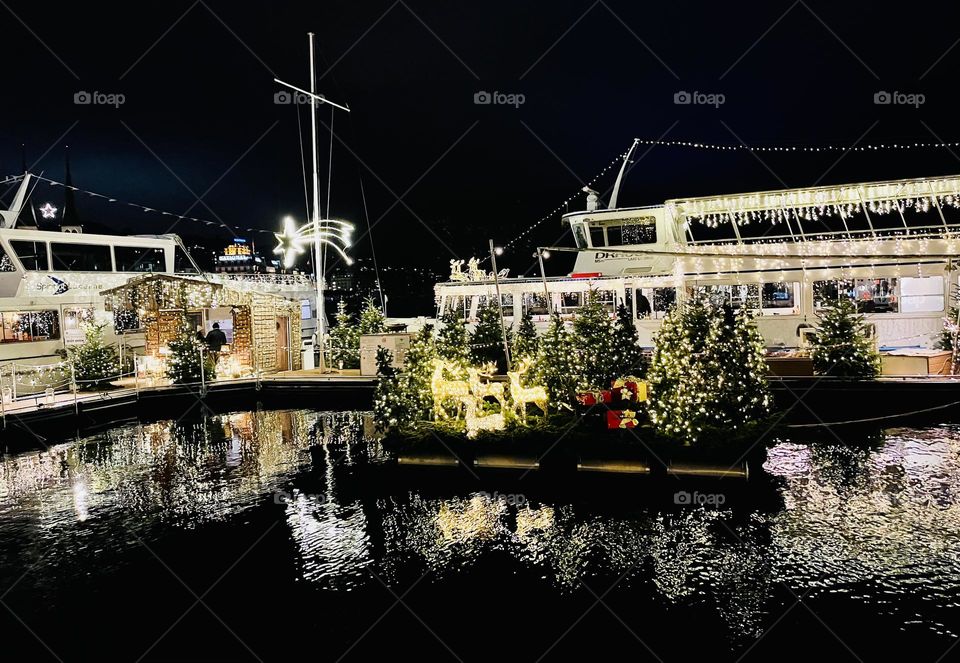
(878,525)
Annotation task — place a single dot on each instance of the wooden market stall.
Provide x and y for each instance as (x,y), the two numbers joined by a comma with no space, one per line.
(262,330)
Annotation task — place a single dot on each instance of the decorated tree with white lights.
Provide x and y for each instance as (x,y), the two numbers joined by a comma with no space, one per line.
(486,341)
(555,366)
(708,372)
(187,354)
(451,341)
(404,396)
(372,320)
(525,340)
(597,352)
(344,340)
(631,359)
(94,362)
(840,348)
(948,336)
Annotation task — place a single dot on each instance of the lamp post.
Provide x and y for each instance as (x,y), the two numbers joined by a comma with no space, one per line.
(496,283)
(541,254)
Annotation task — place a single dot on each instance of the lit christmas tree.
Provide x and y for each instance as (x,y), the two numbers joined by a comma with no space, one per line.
(94,362)
(402,397)
(452,339)
(184,360)
(525,341)
(708,372)
(554,366)
(486,341)
(840,348)
(630,353)
(948,336)
(344,340)
(597,352)
(372,320)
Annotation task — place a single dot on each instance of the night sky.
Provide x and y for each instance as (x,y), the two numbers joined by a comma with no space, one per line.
(199,109)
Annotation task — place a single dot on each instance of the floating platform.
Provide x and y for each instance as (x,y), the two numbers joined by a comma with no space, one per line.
(507,462)
(613,466)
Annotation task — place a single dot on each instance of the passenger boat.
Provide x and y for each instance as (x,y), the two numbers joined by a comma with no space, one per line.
(891,246)
(50,284)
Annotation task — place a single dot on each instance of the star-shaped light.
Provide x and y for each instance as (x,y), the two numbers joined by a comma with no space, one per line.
(48,211)
(290,243)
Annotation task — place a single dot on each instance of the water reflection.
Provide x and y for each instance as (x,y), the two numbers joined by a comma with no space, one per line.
(877,525)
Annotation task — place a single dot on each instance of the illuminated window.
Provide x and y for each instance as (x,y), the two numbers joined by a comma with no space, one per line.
(25,326)
(876,295)
(182,263)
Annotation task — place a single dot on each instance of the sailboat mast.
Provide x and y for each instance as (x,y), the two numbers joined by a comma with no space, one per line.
(317,259)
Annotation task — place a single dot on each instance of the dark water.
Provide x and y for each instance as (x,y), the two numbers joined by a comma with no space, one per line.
(284,535)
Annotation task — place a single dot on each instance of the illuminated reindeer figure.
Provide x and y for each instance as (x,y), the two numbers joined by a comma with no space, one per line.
(476,274)
(444,389)
(475,423)
(456,271)
(483,389)
(522,395)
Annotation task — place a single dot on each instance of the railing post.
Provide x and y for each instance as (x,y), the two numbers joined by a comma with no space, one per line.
(73,381)
(13,382)
(203,381)
(136,376)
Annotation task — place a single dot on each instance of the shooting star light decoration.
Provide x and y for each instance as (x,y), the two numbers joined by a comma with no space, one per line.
(292,240)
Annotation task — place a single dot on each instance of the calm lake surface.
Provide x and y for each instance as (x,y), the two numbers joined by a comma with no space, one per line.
(272,534)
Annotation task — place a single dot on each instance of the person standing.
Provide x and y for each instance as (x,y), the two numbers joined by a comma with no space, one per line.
(216,339)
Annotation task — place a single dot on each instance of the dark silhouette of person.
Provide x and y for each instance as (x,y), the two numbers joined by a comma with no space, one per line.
(643,306)
(216,339)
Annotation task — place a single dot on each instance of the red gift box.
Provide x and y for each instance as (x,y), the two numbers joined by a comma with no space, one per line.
(629,389)
(621,419)
(594,397)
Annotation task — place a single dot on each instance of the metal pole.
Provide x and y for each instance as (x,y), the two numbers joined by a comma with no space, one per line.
(73,380)
(317,253)
(13,382)
(543,277)
(496,283)
(136,376)
(203,381)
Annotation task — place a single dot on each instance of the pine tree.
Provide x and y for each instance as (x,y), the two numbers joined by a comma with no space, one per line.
(452,339)
(596,351)
(184,360)
(840,347)
(486,341)
(403,397)
(525,341)
(372,320)
(391,404)
(708,372)
(94,362)
(949,333)
(554,367)
(344,340)
(629,353)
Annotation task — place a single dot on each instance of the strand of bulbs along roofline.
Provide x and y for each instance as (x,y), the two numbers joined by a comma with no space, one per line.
(736,148)
(562,205)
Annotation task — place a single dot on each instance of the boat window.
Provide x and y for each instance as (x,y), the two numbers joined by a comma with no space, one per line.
(664,299)
(182,263)
(32,255)
(570,301)
(24,326)
(139,259)
(535,303)
(921,294)
(75,323)
(735,296)
(596,237)
(579,235)
(81,257)
(6,265)
(641,230)
(876,295)
(779,298)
